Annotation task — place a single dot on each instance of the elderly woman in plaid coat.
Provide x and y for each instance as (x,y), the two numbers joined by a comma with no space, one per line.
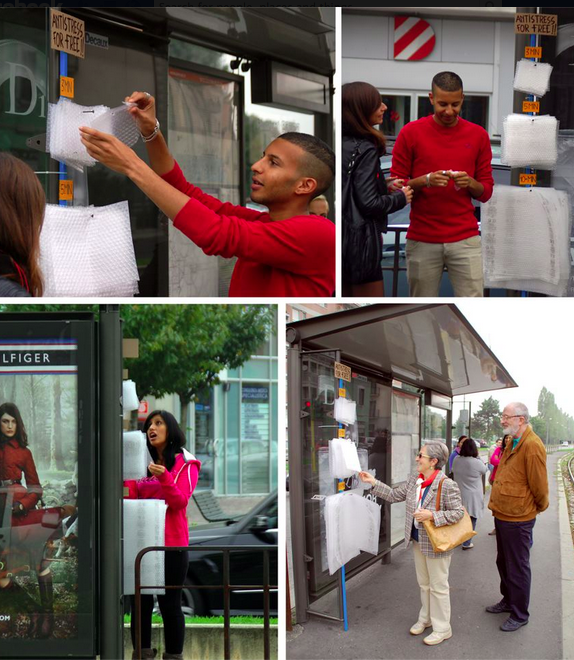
(419,493)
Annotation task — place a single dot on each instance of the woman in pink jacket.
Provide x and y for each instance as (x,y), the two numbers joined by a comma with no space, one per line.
(173,478)
(495,460)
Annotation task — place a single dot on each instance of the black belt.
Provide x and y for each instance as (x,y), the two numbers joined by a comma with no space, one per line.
(10,482)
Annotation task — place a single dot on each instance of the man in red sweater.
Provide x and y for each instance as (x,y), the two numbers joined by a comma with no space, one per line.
(283,252)
(446,160)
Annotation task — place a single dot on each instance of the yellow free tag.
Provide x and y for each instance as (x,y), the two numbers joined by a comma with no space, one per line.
(342,392)
(531,106)
(67,87)
(528,179)
(66,190)
(341,433)
(341,486)
(533,52)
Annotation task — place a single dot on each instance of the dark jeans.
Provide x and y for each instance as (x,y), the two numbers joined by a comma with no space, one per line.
(513,543)
(467,543)
(169,605)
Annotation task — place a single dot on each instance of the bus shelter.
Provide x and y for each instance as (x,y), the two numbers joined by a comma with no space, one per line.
(405,363)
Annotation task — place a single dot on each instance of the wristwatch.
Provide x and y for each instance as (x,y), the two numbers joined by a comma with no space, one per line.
(428,179)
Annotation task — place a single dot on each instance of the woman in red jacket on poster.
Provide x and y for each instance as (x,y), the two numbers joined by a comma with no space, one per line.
(30,527)
(173,477)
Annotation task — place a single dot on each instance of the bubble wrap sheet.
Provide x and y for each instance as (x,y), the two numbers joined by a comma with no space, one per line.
(130,399)
(526,240)
(352,526)
(144,526)
(135,455)
(532,77)
(530,141)
(63,129)
(345,411)
(343,458)
(88,251)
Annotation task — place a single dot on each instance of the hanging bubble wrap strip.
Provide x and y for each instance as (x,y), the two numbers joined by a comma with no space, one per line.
(88,251)
(530,141)
(63,129)
(352,525)
(144,527)
(526,239)
(532,77)
(135,454)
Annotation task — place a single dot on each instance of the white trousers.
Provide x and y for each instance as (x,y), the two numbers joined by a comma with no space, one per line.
(432,576)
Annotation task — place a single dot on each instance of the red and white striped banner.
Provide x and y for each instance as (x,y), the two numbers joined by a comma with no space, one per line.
(414,38)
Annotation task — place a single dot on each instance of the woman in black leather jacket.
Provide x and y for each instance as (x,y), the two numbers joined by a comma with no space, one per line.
(366,199)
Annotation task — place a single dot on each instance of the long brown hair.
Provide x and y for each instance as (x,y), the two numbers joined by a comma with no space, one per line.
(360,100)
(12,409)
(22,207)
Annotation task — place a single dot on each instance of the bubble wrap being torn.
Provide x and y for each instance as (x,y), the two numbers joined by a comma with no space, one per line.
(352,526)
(343,458)
(88,251)
(530,141)
(526,240)
(144,526)
(136,456)
(532,77)
(63,134)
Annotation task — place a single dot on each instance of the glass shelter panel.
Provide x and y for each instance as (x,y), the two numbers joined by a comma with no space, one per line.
(47,488)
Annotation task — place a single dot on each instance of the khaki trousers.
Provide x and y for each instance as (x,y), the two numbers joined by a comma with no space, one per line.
(432,576)
(463,260)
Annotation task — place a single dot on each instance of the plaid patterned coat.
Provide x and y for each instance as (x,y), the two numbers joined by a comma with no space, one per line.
(451,510)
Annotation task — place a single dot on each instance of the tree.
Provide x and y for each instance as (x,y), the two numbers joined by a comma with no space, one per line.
(184,348)
(486,421)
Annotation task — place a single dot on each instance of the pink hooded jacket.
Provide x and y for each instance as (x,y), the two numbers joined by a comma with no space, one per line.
(175,487)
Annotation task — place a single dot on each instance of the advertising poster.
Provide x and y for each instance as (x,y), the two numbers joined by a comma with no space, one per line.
(39,515)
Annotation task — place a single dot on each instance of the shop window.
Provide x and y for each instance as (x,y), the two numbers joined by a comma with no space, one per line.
(204,441)
(397,115)
(256,369)
(474,109)
(255,438)
(231,453)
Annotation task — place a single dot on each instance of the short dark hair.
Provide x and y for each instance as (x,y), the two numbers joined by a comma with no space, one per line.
(175,438)
(469,448)
(447,81)
(319,162)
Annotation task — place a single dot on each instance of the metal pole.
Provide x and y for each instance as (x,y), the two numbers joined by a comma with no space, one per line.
(110,484)
(296,484)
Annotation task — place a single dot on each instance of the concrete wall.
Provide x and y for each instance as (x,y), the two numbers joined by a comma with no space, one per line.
(480,51)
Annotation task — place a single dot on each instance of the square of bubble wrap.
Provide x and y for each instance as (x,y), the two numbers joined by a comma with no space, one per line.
(63,129)
(144,526)
(118,122)
(88,251)
(63,132)
(136,455)
(530,141)
(532,77)
(526,239)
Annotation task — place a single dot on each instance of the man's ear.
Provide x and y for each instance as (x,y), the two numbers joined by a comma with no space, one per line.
(306,186)
(431,98)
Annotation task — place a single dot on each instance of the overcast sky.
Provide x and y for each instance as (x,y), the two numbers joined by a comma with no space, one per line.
(533,338)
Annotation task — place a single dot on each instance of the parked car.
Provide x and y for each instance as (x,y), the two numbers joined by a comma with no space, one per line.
(259,527)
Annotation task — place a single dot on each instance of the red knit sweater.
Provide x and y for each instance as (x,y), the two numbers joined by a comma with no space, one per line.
(293,257)
(443,215)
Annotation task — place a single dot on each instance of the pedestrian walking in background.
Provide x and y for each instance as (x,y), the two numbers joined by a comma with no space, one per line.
(455,452)
(494,460)
(366,199)
(519,494)
(432,568)
(468,472)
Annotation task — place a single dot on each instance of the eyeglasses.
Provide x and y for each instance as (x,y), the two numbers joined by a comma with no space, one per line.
(503,417)
(421,455)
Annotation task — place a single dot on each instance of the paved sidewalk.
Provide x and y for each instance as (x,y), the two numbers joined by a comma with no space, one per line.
(383,603)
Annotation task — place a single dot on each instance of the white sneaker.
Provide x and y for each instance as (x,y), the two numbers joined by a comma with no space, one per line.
(419,628)
(437,637)
(468,547)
